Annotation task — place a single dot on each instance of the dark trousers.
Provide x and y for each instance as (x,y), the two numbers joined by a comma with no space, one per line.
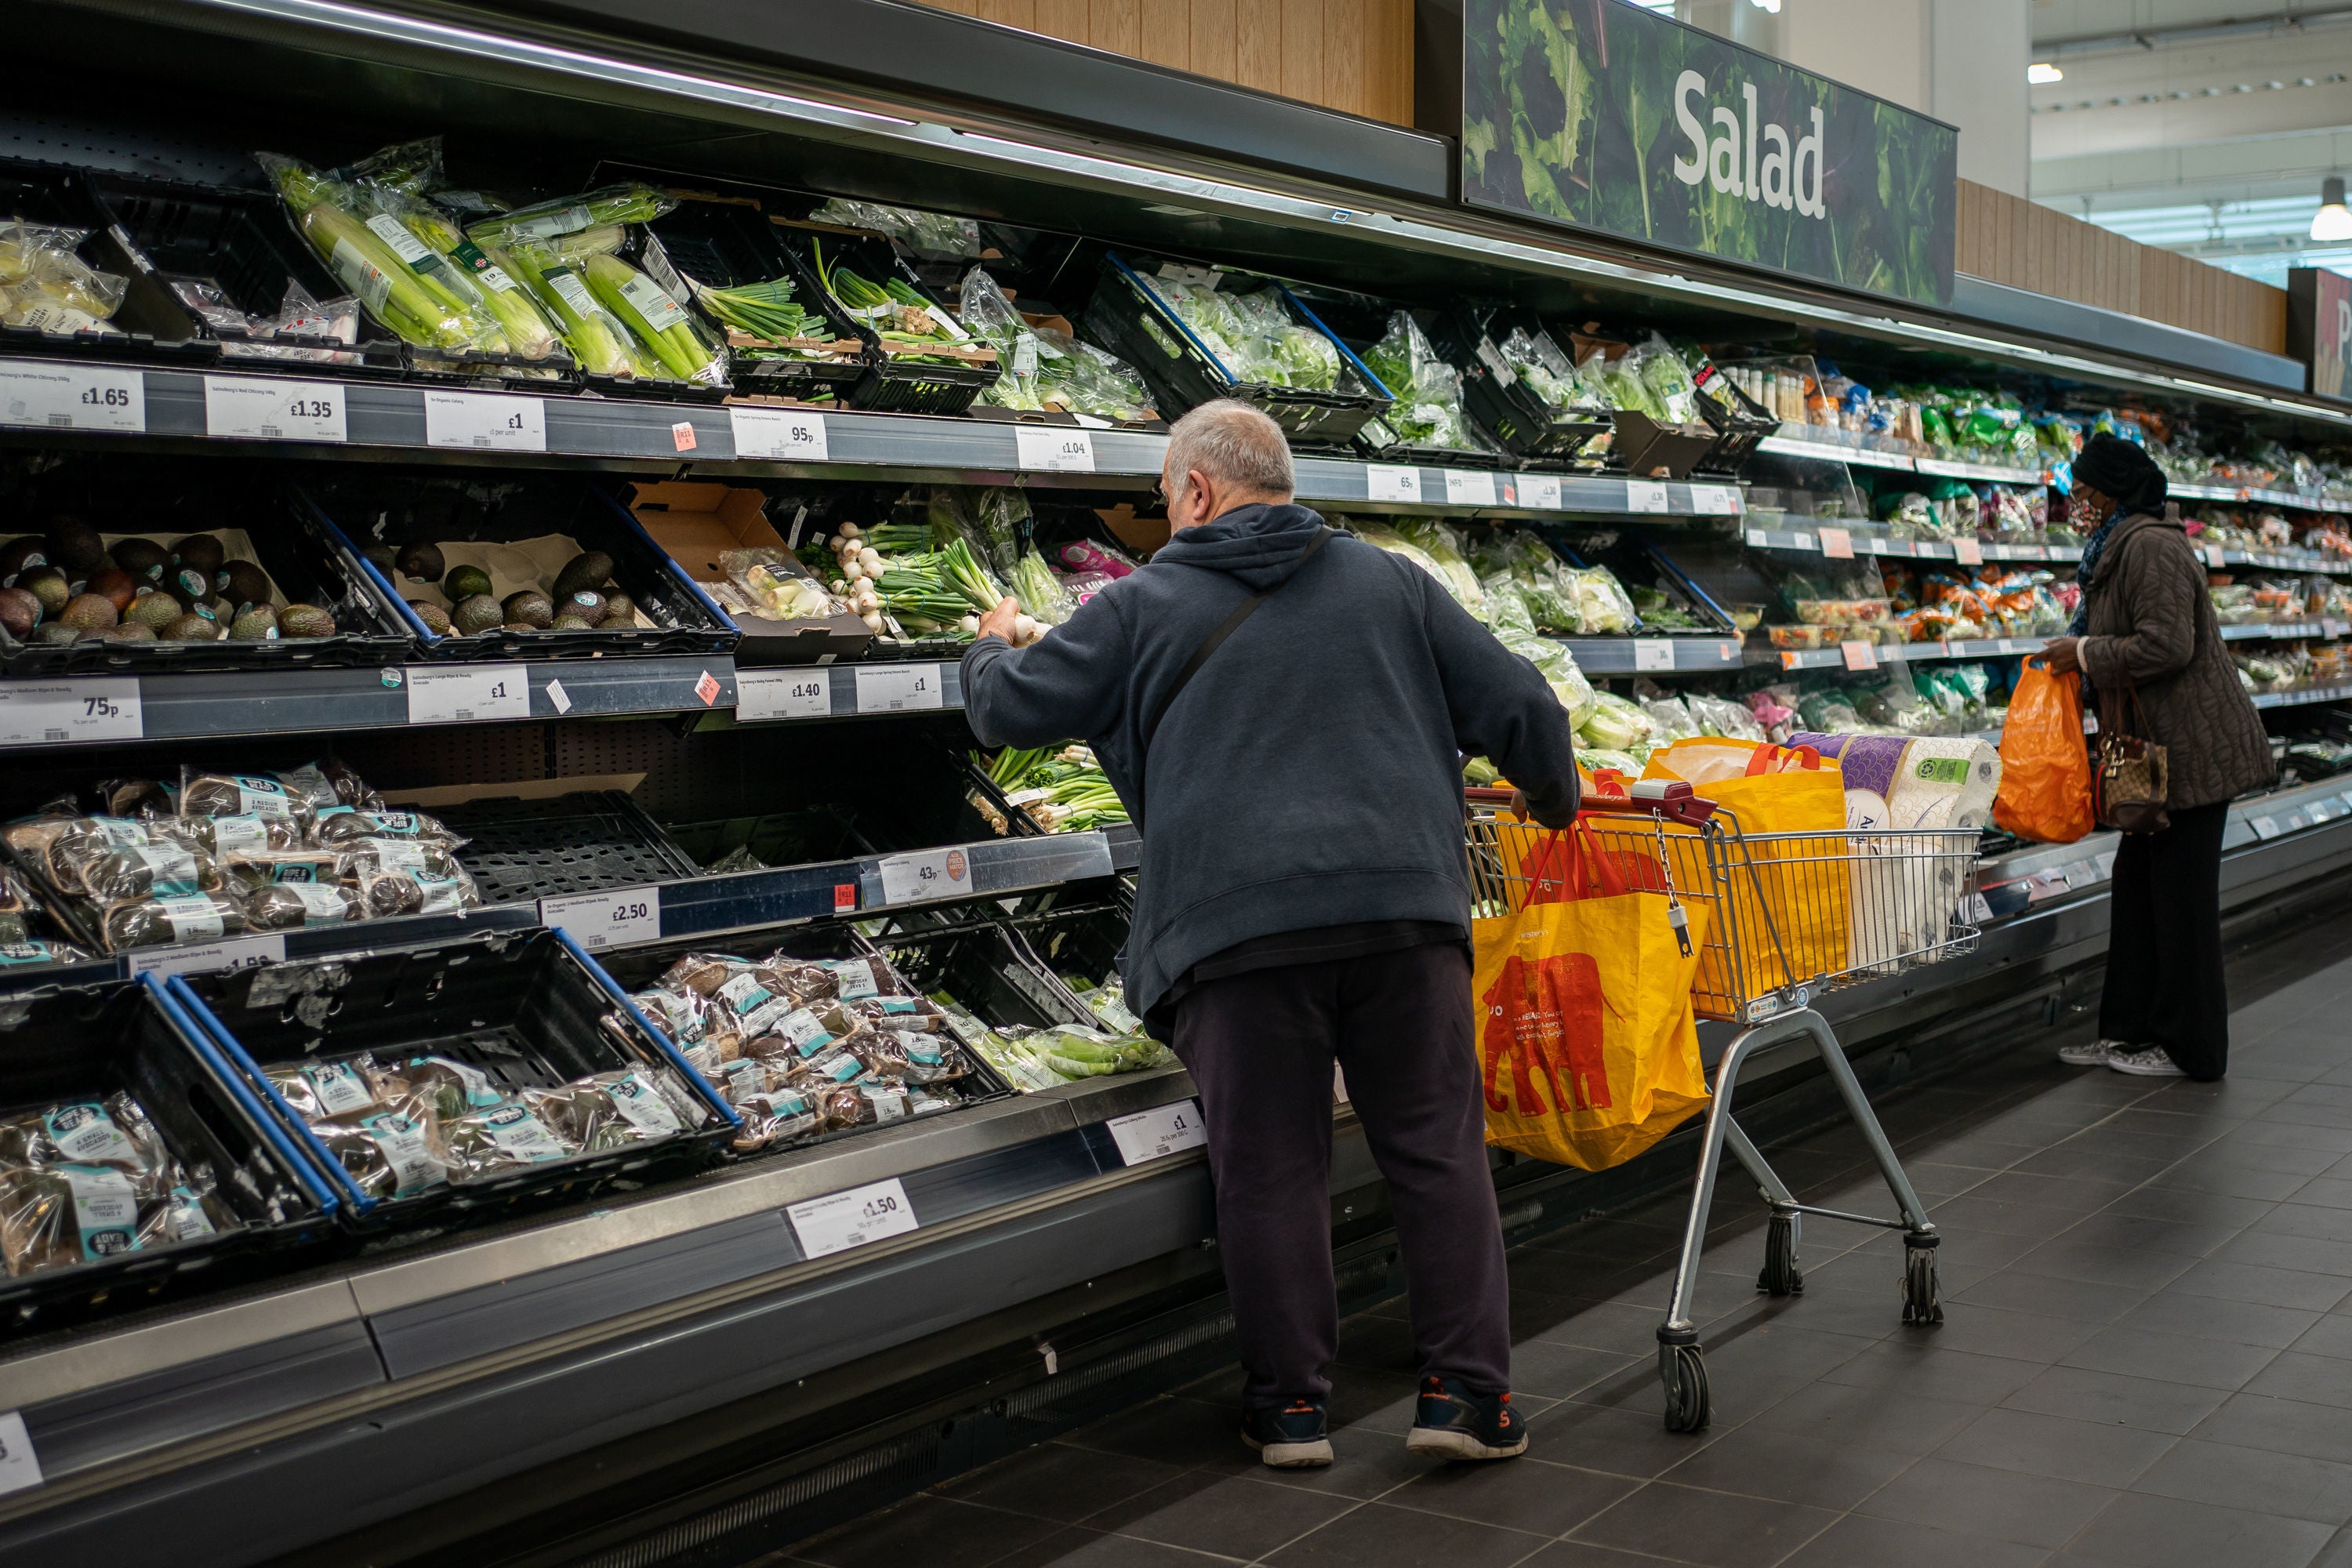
(2165,985)
(1260,1045)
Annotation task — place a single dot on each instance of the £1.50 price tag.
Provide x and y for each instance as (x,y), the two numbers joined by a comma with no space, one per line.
(467,694)
(485,421)
(1159,1133)
(779,434)
(1049,449)
(764,694)
(74,397)
(256,410)
(859,1217)
(614,917)
(900,688)
(70,713)
(933,874)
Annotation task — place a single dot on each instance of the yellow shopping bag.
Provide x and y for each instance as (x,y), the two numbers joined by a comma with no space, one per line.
(1586,1040)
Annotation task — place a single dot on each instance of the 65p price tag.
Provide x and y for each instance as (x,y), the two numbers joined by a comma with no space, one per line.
(70,713)
(1047,449)
(467,694)
(1392,481)
(485,421)
(857,1218)
(933,874)
(1159,1133)
(74,397)
(257,410)
(614,917)
(780,436)
(764,694)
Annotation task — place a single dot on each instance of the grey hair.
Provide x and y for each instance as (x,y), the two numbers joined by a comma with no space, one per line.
(1233,442)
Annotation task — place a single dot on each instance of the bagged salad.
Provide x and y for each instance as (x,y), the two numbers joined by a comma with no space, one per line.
(1428,393)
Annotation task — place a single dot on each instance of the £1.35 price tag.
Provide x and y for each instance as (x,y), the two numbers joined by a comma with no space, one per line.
(255,410)
(1159,1133)
(933,874)
(485,421)
(467,694)
(614,917)
(1050,449)
(200,958)
(783,435)
(862,1215)
(74,397)
(70,713)
(764,694)
(901,687)
(1392,481)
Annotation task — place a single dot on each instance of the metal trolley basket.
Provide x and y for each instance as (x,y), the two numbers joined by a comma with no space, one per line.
(1791,917)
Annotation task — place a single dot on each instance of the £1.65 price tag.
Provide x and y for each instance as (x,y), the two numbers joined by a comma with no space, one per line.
(70,713)
(614,917)
(485,421)
(74,397)
(779,434)
(257,410)
(467,694)
(200,958)
(1157,1133)
(933,874)
(764,694)
(839,1221)
(1050,449)
(901,687)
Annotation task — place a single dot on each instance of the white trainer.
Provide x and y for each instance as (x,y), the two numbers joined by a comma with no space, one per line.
(2093,1054)
(2150,1063)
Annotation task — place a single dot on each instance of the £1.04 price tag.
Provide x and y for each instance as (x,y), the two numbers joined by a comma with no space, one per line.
(1049,449)
(901,687)
(614,917)
(467,694)
(1157,1133)
(779,434)
(485,421)
(74,397)
(857,1218)
(933,874)
(764,694)
(255,410)
(70,713)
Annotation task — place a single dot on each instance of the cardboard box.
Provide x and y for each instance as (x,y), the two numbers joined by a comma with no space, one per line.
(695,522)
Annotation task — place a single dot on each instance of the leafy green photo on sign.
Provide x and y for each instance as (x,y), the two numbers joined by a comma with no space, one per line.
(1605,116)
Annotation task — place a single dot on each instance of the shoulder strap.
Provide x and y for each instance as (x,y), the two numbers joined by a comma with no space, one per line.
(1215,639)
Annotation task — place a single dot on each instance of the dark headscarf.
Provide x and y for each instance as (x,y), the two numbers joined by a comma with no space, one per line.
(2119,469)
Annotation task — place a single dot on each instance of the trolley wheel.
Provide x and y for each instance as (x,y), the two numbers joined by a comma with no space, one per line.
(1781,1277)
(1681,1368)
(1919,1303)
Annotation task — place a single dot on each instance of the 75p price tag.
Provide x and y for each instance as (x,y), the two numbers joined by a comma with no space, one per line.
(901,687)
(862,1215)
(74,397)
(467,694)
(610,919)
(1047,449)
(70,713)
(933,874)
(779,434)
(259,410)
(1159,1133)
(485,421)
(764,694)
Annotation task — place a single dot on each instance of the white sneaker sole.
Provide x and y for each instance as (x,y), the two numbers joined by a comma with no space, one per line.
(2091,1056)
(1444,1443)
(2145,1069)
(1292,1456)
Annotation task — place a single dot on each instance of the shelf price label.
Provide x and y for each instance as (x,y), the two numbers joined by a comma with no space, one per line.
(1653,654)
(901,687)
(1469,489)
(20,1468)
(1159,1133)
(74,397)
(1539,492)
(1976,909)
(1053,449)
(1967,553)
(1645,495)
(1858,654)
(779,434)
(2265,826)
(764,694)
(1392,481)
(859,1217)
(203,958)
(614,917)
(70,713)
(256,410)
(1716,500)
(485,421)
(920,878)
(467,694)
(1837,543)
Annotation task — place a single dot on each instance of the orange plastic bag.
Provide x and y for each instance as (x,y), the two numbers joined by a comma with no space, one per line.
(2045,770)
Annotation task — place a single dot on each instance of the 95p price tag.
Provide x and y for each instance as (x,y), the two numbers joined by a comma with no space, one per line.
(256,410)
(859,1217)
(1050,449)
(613,918)
(779,434)
(764,694)
(933,874)
(70,713)
(1159,1133)
(467,694)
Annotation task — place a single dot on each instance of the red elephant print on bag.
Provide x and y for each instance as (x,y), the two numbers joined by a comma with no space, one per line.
(1545,1018)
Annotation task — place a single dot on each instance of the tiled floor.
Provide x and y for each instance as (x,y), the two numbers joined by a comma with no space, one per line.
(2147,1360)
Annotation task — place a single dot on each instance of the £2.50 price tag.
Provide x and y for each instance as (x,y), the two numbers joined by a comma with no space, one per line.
(839,1221)
(74,397)
(779,434)
(901,687)
(259,410)
(485,421)
(1159,1133)
(1046,449)
(467,694)
(933,874)
(70,713)
(608,918)
(764,694)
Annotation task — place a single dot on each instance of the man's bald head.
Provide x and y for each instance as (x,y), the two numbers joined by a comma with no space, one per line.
(1223,454)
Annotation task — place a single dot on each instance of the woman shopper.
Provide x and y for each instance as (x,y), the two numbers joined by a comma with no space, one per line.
(2147,645)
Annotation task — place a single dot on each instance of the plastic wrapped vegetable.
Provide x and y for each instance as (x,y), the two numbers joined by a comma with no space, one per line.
(898,313)
(598,339)
(926,234)
(1666,378)
(1428,392)
(1616,724)
(46,286)
(497,292)
(1559,670)
(1045,369)
(1548,373)
(409,287)
(1251,335)
(630,203)
(1601,606)
(667,337)
(1382,536)
(1442,544)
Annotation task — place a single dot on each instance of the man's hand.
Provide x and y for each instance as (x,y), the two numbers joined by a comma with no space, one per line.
(2064,655)
(998,622)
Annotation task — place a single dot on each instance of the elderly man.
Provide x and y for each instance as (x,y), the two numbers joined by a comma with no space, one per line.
(1284,710)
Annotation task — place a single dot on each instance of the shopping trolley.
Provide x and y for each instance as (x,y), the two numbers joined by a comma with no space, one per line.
(1792,916)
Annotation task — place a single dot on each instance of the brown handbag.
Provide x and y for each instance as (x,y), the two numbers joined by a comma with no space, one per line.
(2129,787)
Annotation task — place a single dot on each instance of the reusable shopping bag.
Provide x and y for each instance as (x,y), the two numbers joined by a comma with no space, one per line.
(1586,1039)
(2045,771)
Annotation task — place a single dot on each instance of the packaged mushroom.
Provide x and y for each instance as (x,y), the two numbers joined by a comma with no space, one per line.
(496,1141)
(228,838)
(151,923)
(386,1153)
(152,870)
(611,1109)
(340,824)
(774,1116)
(245,795)
(82,1182)
(287,906)
(397,877)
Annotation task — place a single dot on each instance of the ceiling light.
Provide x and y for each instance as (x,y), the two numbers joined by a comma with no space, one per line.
(1770,7)
(2333,221)
(2044,74)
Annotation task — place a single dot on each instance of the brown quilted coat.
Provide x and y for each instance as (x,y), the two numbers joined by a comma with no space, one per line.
(2152,623)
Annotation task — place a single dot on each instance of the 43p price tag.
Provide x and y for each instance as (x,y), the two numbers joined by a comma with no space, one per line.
(613,918)
(857,1218)
(764,694)
(933,874)
(1159,1133)
(259,410)
(70,713)
(781,435)
(1046,449)
(467,694)
(74,397)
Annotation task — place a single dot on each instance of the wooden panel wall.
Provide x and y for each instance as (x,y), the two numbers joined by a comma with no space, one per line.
(2010,241)
(1350,55)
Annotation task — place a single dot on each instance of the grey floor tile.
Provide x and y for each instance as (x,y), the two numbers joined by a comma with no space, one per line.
(2214,1317)
(2191,1205)
(2297,1217)
(2264,1286)
(1233,1516)
(928,1529)
(2331,1336)
(2146,1531)
(1756,1461)
(1719,1528)
(2265,1248)
(1365,1464)
(1991,1331)
(1858,1540)
(2107,1396)
(2050,1297)
(2333,1192)
(2110,1228)
(2280,1426)
(1887,1418)
(1376,1535)
(2292,1485)
(1975,1210)
(1585,1555)
(2098,1453)
(1078,1547)
(1057,1482)
(1527,1493)
(1975,1499)
(2203,1175)
(2313,1379)
(1619,1442)
(2138,1268)
(1185,1433)
(2171,1358)
(1927,1371)
(1559,1371)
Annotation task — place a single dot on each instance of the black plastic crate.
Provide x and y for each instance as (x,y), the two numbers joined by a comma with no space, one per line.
(1127,318)
(726,243)
(69,1045)
(1739,422)
(815,836)
(154,324)
(578,843)
(393,510)
(893,382)
(1498,398)
(990,973)
(526,1009)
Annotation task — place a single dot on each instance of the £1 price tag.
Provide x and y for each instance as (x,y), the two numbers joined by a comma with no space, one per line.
(1469,489)
(933,874)
(467,694)
(1159,1133)
(255,410)
(1392,481)
(70,713)
(781,436)
(74,397)
(1645,495)
(900,688)
(1048,449)
(485,421)
(613,918)
(764,694)
(862,1215)
(199,958)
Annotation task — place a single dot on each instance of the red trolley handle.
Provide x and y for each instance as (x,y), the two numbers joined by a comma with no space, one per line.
(1670,799)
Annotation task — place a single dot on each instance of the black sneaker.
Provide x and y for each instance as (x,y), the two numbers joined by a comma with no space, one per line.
(1453,1425)
(1289,1437)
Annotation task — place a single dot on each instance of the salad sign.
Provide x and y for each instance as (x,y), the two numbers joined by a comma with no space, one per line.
(1602,115)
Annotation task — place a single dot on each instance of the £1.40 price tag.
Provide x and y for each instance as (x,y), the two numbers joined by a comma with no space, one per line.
(74,397)
(1159,1133)
(70,713)
(933,874)
(764,694)
(779,434)
(1392,481)
(614,917)
(201,958)
(467,694)
(1645,495)
(901,687)
(859,1217)
(1050,449)
(252,409)
(485,421)
(1469,489)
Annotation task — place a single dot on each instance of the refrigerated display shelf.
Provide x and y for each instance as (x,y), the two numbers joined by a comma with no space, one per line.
(2006,648)
(1808,442)
(1808,541)
(2298,696)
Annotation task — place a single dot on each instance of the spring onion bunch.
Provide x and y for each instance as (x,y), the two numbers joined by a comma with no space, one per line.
(905,321)
(1065,790)
(764,310)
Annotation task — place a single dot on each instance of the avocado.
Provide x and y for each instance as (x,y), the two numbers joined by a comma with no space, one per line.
(220,609)
(422,562)
(18,553)
(156,610)
(477,613)
(465,582)
(91,612)
(115,584)
(305,621)
(193,627)
(56,634)
(620,613)
(241,582)
(129,632)
(192,588)
(436,619)
(47,584)
(201,552)
(73,545)
(512,627)
(590,569)
(142,558)
(529,607)
(587,604)
(571,621)
(258,622)
(19,611)
(380,557)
